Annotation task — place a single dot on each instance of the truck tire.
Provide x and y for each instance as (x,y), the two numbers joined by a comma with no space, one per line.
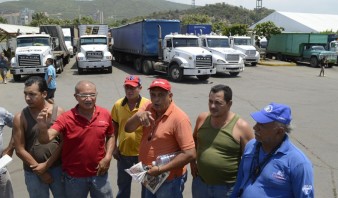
(175,73)
(110,70)
(314,62)
(203,77)
(233,73)
(17,78)
(147,67)
(79,70)
(138,65)
(60,69)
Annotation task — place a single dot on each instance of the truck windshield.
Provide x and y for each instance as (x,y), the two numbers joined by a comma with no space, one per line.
(242,41)
(320,48)
(33,41)
(185,42)
(218,42)
(91,41)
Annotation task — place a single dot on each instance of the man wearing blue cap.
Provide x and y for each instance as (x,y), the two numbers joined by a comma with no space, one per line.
(271,165)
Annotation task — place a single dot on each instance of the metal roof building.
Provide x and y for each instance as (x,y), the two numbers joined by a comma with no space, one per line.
(302,22)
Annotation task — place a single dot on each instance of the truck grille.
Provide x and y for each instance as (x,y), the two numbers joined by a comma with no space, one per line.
(29,60)
(232,57)
(250,53)
(94,55)
(204,61)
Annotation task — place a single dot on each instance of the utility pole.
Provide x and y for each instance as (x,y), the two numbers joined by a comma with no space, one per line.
(259,4)
(193,4)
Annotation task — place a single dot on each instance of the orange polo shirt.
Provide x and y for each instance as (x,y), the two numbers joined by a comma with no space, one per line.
(172,132)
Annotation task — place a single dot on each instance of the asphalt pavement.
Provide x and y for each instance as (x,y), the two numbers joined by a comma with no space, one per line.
(313,100)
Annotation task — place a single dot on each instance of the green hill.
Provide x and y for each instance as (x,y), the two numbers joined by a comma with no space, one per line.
(112,9)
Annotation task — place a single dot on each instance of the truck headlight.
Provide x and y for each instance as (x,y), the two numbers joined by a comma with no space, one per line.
(80,58)
(220,61)
(108,57)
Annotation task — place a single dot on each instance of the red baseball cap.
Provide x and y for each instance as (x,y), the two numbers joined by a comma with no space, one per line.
(132,80)
(161,83)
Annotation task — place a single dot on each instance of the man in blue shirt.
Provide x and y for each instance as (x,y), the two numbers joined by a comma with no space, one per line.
(50,77)
(271,165)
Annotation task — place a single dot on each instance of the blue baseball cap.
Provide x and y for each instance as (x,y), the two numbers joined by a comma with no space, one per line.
(273,112)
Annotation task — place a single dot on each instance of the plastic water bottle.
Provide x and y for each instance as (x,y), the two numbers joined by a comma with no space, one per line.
(164,159)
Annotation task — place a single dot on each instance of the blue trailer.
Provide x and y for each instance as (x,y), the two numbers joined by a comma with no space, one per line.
(156,45)
(196,29)
(141,38)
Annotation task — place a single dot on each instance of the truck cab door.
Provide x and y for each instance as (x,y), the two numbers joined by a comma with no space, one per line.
(168,50)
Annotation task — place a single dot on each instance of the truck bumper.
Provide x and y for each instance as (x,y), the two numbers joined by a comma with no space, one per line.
(251,60)
(199,71)
(94,65)
(36,70)
(229,68)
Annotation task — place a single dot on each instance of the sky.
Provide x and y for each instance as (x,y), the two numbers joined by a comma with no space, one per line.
(305,6)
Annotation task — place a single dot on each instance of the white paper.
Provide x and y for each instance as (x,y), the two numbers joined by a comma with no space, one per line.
(5,160)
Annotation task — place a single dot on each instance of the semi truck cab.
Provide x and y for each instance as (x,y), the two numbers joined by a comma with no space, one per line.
(245,45)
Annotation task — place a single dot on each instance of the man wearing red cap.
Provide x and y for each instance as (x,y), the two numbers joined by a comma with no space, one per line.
(166,129)
(127,151)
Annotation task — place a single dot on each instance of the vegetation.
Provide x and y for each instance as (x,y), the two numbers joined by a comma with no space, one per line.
(267,29)
(3,20)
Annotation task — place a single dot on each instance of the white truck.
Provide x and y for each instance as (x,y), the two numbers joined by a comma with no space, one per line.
(245,45)
(68,40)
(93,52)
(225,59)
(33,50)
(176,55)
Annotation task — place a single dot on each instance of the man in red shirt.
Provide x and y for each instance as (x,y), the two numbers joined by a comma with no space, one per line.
(88,142)
(166,130)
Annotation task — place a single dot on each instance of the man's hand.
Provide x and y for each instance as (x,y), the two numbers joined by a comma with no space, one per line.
(154,170)
(194,170)
(46,178)
(146,118)
(42,117)
(116,153)
(40,168)
(103,166)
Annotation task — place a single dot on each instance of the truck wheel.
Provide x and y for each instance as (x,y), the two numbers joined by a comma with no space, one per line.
(138,65)
(147,67)
(314,61)
(60,69)
(17,78)
(79,71)
(176,73)
(233,73)
(203,77)
(279,56)
(110,70)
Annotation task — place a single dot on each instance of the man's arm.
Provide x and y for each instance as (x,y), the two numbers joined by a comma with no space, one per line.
(10,148)
(183,158)
(104,164)
(245,133)
(19,141)
(116,152)
(46,135)
(143,118)
(199,121)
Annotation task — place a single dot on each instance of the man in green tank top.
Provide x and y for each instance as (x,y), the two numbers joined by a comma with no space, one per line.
(220,137)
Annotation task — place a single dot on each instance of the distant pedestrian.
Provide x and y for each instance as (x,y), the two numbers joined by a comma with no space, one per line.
(50,77)
(323,64)
(3,67)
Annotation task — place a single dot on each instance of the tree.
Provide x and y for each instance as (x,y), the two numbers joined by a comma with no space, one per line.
(39,18)
(236,29)
(267,29)
(195,19)
(84,20)
(3,20)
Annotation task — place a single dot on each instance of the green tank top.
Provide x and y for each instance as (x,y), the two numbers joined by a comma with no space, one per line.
(218,153)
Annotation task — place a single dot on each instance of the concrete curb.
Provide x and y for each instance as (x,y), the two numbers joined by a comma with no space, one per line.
(276,63)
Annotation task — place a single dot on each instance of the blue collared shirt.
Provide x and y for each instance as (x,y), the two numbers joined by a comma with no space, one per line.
(288,173)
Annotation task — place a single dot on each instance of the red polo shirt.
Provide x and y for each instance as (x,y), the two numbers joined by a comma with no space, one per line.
(83,140)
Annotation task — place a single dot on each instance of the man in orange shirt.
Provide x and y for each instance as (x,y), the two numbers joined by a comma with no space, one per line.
(166,129)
